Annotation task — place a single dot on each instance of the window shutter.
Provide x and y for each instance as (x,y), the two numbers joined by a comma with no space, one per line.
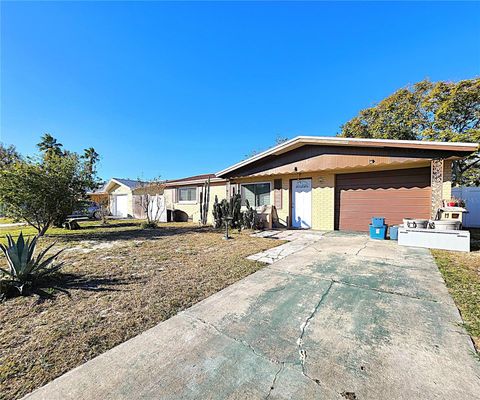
(277,193)
(174,195)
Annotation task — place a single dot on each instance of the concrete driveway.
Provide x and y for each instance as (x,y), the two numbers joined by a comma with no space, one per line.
(343,318)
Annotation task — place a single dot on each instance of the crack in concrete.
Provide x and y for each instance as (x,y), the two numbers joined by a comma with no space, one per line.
(385,291)
(363,248)
(301,350)
(275,268)
(272,387)
(252,349)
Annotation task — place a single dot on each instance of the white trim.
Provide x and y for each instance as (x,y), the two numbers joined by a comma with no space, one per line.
(341,141)
(270,183)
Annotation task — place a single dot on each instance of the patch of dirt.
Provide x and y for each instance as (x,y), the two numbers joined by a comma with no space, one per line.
(119,286)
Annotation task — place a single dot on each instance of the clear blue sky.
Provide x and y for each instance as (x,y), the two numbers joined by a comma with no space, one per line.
(176,89)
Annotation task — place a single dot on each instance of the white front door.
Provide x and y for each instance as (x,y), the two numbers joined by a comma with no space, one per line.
(120,205)
(302,203)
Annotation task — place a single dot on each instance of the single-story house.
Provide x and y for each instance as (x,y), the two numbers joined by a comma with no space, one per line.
(182,196)
(125,194)
(329,183)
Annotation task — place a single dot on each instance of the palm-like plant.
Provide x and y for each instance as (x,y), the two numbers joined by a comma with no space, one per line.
(25,270)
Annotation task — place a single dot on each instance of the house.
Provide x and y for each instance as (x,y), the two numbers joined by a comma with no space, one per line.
(125,198)
(182,196)
(329,183)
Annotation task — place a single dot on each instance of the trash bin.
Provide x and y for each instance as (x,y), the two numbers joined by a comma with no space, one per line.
(378,222)
(394,232)
(378,233)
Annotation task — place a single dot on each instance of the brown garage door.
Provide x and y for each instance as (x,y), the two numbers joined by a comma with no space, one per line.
(392,194)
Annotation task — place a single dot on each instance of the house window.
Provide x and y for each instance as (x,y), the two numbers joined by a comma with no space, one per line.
(257,194)
(187,195)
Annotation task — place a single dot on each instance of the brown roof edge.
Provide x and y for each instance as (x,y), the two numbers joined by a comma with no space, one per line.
(193,180)
(300,141)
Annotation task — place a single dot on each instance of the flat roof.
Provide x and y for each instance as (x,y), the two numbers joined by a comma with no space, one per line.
(300,141)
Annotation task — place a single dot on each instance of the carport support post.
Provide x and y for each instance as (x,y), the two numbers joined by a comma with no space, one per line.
(437,185)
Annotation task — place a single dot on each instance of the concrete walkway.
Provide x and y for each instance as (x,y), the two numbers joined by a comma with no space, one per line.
(344,318)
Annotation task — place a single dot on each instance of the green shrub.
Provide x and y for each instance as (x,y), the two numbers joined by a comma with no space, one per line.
(25,271)
(149,225)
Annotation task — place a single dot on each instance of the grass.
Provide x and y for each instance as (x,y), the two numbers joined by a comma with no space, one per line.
(122,280)
(5,220)
(461,272)
(87,228)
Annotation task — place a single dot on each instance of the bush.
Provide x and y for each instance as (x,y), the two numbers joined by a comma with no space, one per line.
(25,272)
(149,225)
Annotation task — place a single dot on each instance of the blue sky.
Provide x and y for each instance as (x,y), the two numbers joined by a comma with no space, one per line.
(177,89)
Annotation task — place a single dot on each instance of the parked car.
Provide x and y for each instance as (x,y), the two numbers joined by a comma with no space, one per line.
(88,209)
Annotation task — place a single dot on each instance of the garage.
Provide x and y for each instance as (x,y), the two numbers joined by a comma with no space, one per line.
(393,194)
(120,205)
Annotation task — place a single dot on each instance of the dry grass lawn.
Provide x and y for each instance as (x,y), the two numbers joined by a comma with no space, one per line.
(122,280)
(461,272)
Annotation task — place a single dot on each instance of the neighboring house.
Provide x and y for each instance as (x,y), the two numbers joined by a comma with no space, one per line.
(331,183)
(124,199)
(182,196)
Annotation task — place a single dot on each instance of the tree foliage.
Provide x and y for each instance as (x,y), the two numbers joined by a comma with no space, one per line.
(440,111)
(8,155)
(45,190)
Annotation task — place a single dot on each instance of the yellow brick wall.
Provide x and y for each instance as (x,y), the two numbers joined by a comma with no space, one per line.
(323,197)
(323,202)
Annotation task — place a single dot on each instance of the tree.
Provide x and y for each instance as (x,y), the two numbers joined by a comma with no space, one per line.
(442,111)
(49,146)
(8,155)
(91,157)
(41,193)
(45,190)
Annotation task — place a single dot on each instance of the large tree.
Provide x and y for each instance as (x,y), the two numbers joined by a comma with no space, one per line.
(444,111)
(43,190)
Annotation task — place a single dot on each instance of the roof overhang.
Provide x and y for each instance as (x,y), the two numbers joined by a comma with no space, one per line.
(300,141)
(192,182)
(111,185)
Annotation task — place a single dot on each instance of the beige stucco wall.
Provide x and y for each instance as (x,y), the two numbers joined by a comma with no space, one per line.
(193,209)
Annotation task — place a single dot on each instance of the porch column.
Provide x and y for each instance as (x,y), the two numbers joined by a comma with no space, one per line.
(436,185)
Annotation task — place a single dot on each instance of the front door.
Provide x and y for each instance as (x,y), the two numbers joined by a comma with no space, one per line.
(302,203)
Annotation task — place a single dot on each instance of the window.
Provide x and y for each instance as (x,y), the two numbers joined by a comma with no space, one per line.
(257,194)
(187,195)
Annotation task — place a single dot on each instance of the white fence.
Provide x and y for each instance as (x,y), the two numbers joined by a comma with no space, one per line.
(471,195)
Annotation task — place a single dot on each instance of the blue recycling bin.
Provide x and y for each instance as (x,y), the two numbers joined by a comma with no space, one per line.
(378,233)
(378,222)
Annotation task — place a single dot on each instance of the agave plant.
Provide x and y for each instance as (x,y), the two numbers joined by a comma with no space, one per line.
(25,270)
